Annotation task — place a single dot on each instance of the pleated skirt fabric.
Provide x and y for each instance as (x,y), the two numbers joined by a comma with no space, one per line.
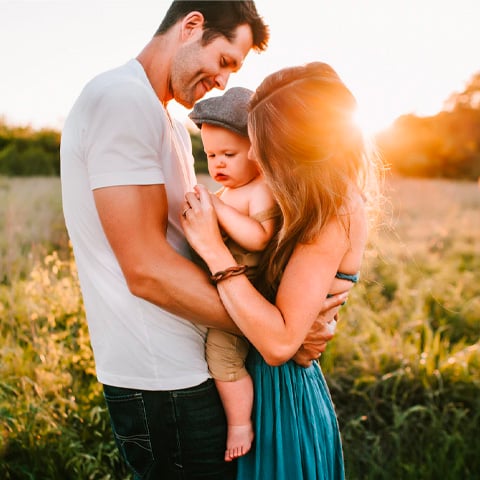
(296,429)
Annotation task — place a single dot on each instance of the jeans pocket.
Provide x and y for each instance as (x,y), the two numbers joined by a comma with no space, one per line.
(130,427)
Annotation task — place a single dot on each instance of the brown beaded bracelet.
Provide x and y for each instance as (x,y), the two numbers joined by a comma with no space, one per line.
(228,272)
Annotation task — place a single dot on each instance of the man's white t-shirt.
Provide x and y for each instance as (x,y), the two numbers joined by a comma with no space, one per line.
(118,133)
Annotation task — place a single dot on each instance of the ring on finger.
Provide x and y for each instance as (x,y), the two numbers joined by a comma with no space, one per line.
(184,213)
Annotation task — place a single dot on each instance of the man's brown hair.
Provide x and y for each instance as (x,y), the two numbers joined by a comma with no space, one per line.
(221,19)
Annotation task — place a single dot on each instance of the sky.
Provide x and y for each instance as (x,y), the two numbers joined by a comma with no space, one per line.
(396,56)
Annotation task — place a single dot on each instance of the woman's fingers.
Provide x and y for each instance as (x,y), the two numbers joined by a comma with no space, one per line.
(322,330)
(201,191)
(199,221)
(335,301)
(192,200)
(199,199)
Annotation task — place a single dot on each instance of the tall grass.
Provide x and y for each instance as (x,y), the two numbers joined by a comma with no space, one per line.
(405,365)
(403,368)
(53,420)
(31,224)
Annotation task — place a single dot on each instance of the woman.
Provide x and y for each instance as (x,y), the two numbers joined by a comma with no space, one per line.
(314,159)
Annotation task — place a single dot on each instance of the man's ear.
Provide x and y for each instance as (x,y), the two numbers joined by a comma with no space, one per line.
(191,24)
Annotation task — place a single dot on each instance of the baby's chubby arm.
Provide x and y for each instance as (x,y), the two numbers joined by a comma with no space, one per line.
(248,232)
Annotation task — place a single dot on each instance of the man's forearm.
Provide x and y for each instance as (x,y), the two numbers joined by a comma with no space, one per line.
(182,288)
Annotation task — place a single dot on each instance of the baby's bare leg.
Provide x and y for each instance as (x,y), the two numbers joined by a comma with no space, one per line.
(237,399)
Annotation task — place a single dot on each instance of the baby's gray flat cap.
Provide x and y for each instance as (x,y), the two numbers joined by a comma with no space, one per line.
(229,111)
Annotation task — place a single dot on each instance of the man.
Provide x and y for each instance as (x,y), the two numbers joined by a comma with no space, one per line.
(125,168)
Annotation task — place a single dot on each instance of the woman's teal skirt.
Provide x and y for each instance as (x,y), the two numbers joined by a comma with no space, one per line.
(296,429)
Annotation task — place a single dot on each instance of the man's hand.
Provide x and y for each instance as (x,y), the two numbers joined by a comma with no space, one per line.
(321,333)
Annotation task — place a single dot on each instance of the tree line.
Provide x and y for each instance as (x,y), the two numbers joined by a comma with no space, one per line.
(446,145)
(27,152)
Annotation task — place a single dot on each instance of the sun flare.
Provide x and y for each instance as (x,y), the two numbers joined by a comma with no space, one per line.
(369,123)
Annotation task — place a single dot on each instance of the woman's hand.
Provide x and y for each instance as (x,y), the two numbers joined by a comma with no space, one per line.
(199,222)
(321,332)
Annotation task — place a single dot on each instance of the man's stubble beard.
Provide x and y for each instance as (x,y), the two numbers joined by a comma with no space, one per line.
(181,80)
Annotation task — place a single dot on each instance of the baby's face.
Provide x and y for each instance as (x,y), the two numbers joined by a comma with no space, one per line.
(227,154)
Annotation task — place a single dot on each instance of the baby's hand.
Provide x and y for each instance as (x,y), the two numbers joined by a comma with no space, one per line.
(216,202)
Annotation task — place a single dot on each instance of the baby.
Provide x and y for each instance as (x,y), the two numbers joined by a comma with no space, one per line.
(247,213)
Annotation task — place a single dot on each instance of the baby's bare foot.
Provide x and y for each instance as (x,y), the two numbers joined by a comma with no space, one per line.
(239,441)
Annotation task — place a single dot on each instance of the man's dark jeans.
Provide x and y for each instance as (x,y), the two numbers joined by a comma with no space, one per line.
(171,435)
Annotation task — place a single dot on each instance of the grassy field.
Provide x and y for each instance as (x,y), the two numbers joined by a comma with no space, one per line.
(404,367)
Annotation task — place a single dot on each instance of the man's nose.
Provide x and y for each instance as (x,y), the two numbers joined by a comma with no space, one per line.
(221,80)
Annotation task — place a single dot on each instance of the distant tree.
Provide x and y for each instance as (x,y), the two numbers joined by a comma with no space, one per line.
(468,98)
(444,145)
(24,151)
(9,165)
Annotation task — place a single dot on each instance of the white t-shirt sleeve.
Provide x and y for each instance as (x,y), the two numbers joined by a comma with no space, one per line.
(126,138)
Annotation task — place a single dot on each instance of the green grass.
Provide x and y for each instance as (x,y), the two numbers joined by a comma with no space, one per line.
(403,368)
(31,224)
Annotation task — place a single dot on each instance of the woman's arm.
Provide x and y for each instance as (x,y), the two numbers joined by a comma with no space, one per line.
(277,331)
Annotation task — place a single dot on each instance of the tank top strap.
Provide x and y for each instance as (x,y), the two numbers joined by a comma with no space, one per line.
(348,276)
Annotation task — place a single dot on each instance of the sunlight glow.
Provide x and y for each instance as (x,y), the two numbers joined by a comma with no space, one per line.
(369,123)
(389,73)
